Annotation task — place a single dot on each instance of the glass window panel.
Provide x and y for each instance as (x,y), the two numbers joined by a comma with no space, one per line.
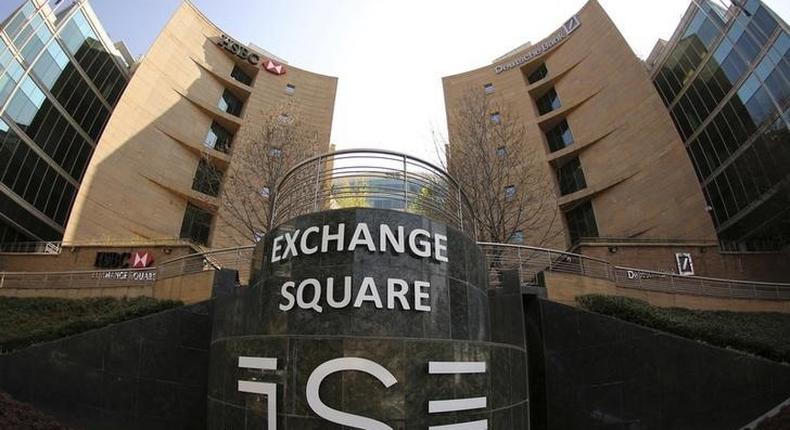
(747,48)
(207,179)
(548,102)
(229,103)
(15,24)
(778,87)
(581,222)
(762,25)
(708,33)
(780,47)
(218,138)
(196,225)
(571,177)
(560,136)
(538,74)
(760,106)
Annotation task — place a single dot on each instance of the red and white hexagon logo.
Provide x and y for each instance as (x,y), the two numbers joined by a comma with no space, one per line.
(141,260)
(273,67)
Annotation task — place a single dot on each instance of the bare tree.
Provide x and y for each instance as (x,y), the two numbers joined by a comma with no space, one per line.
(488,155)
(267,150)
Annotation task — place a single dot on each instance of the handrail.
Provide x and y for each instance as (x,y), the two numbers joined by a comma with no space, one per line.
(530,261)
(55,247)
(372,178)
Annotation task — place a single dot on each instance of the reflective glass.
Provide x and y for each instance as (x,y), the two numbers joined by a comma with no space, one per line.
(50,65)
(13,26)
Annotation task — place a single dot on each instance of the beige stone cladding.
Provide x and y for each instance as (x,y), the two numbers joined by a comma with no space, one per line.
(139,181)
(639,178)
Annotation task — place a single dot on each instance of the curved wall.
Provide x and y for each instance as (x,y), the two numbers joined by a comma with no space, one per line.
(639,180)
(457,328)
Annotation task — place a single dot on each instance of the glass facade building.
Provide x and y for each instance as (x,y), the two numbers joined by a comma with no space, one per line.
(60,79)
(725,78)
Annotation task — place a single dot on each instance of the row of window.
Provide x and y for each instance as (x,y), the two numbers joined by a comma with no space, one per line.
(32,178)
(756,172)
(22,169)
(570,176)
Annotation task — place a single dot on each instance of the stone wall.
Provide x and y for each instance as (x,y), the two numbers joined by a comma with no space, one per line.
(603,373)
(148,373)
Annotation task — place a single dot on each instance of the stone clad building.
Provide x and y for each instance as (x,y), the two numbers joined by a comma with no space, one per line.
(598,131)
(188,108)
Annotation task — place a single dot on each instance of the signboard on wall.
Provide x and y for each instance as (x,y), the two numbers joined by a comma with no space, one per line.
(685,263)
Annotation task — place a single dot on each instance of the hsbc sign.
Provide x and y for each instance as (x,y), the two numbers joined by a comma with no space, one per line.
(236,48)
(124,260)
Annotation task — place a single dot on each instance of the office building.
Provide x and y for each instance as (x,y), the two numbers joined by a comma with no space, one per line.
(600,137)
(724,76)
(60,79)
(195,101)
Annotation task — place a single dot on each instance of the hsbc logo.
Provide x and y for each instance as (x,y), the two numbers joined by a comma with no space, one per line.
(234,47)
(124,260)
(140,260)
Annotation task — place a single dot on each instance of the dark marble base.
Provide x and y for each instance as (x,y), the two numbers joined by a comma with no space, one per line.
(147,373)
(597,372)
(404,405)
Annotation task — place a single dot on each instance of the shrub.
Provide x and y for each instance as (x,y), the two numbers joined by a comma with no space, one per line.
(25,321)
(766,334)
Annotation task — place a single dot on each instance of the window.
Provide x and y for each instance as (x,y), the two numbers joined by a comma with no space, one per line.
(517,237)
(290,89)
(218,138)
(538,74)
(496,118)
(196,225)
(207,179)
(548,102)
(229,103)
(76,32)
(501,152)
(240,76)
(488,88)
(510,192)
(581,222)
(559,137)
(571,177)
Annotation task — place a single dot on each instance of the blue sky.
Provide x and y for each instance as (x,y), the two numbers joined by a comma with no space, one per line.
(390,55)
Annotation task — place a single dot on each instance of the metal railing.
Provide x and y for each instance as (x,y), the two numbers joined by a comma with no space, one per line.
(530,261)
(500,257)
(238,259)
(373,178)
(55,247)
(118,278)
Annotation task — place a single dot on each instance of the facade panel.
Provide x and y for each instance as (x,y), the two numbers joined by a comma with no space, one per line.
(730,101)
(53,108)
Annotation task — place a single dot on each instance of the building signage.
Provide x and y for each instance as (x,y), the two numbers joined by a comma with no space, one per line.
(236,48)
(545,45)
(685,264)
(375,370)
(126,275)
(123,260)
(318,294)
